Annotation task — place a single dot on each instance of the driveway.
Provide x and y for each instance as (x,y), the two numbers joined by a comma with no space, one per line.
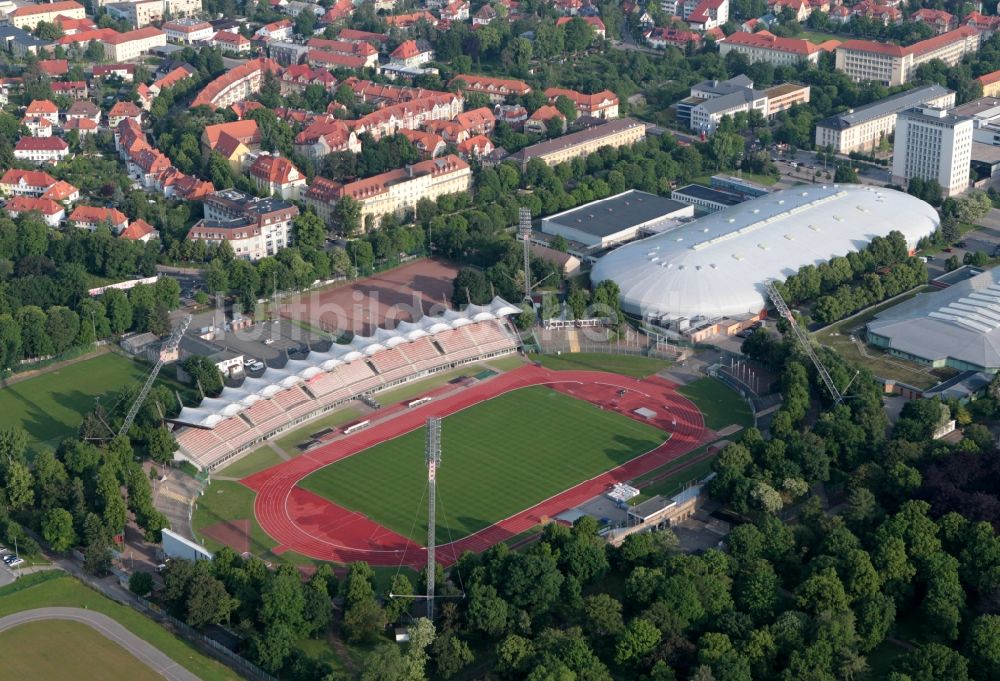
(110,629)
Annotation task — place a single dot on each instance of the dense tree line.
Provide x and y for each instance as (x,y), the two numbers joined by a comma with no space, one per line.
(844,284)
(45,308)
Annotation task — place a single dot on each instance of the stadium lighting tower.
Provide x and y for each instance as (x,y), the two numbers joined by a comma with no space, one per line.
(524,231)
(433,456)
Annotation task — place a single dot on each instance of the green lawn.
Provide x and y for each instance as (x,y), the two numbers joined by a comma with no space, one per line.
(255,461)
(626,365)
(226,501)
(821,37)
(720,404)
(66,591)
(499,457)
(27,652)
(290,442)
(51,406)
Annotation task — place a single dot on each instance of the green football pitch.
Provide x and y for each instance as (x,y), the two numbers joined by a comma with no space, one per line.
(498,458)
(51,406)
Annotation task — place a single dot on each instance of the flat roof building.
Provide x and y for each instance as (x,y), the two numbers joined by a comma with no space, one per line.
(957,327)
(863,128)
(932,144)
(708,199)
(616,219)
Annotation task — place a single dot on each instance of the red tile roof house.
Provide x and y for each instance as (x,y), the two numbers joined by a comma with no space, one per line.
(600,32)
(412,53)
(53,68)
(603,104)
(538,121)
(37,126)
(427,143)
(245,131)
(62,192)
(139,230)
(277,176)
(660,38)
(497,89)
(479,121)
(41,149)
(298,77)
(25,182)
(475,147)
(50,211)
(74,89)
(322,138)
(124,71)
(939,20)
(92,217)
(122,110)
(84,110)
(43,108)
(83,126)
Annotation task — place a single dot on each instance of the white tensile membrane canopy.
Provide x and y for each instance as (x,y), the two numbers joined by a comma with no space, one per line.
(232,401)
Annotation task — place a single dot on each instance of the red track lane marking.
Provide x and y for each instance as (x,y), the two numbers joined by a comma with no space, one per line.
(315,527)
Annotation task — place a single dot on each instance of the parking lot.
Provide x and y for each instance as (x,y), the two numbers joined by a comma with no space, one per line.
(985,239)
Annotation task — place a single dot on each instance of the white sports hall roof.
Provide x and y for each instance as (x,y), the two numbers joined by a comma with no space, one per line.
(959,326)
(716,266)
(232,401)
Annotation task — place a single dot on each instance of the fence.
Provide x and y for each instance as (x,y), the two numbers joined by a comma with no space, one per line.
(549,342)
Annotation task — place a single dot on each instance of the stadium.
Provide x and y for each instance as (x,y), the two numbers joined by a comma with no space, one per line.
(221,428)
(715,267)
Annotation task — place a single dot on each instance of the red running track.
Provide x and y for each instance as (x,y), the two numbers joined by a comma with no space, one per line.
(303,522)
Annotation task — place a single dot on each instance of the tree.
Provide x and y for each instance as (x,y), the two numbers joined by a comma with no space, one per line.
(397,607)
(10,341)
(451,655)
(19,485)
(310,232)
(140,583)
(385,663)
(932,662)
(203,372)
(347,215)
(470,286)
(487,611)
(639,639)
(57,528)
(208,601)
(983,647)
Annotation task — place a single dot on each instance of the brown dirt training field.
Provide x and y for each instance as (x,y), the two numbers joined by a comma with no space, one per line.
(380,300)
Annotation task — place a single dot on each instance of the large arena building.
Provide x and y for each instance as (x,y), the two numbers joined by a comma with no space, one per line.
(715,267)
(958,327)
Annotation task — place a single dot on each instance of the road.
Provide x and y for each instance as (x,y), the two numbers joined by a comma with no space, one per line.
(110,629)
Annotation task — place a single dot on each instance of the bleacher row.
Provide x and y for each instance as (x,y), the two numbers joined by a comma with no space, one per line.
(207,448)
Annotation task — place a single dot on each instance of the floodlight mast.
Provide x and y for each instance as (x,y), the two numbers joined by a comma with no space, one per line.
(433,457)
(803,340)
(524,231)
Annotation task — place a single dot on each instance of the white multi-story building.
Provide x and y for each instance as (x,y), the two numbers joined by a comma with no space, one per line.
(862,129)
(866,60)
(41,149)
(29,16)
(255,228)
(933,144)
(125,46)
(188,31)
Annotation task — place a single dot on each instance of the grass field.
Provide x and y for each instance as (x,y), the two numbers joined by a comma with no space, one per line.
(66,591)
(818,37)
(720,404)
(838,337)
(257,460)
(500,457)
(626,365)
(51,406)
(224,501)
(27,653)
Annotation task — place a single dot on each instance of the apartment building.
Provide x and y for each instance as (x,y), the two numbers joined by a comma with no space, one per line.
(616,133)
(764,46)
(187,31)
(324,137)
(863,128)
(29,16)
(933,144)
(125,46)
(497,89)
(866,60)
(393,192)
(277,176)
(231,41)
(236,84)
(41,149)
(711,100)
(139,13)
(603,104)
(990,83)
(254,227)
(25,182)
(52,213)
(409,115)
(92,217)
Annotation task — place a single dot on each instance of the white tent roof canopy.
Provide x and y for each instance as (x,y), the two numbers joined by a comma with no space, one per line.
(232,401)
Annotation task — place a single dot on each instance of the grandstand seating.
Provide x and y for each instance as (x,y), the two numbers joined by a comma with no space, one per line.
(207,448)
